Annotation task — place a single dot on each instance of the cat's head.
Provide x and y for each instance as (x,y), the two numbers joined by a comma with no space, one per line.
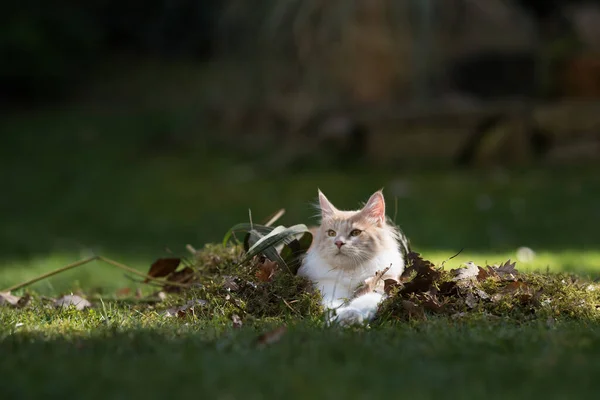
(352,237)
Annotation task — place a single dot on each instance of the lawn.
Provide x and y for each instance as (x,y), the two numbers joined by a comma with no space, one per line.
(78,183)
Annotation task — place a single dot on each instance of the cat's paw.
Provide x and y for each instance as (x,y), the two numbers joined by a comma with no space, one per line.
(348,316)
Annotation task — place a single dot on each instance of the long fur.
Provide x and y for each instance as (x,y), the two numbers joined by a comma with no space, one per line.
(338,269)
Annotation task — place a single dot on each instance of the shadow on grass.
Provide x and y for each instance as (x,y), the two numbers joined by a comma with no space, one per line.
(438,358)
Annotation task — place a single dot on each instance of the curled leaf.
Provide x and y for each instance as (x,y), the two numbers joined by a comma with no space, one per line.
(9,299)
(163,267)
(426,275)
(266,270)
(469,272)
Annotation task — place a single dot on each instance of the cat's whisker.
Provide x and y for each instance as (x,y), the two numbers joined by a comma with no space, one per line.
(348,248)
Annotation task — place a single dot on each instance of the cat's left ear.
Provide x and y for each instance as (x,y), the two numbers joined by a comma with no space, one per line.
(375,208)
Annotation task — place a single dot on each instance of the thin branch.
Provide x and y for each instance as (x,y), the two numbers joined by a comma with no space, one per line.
(51,273)
(138,273)
(275,217)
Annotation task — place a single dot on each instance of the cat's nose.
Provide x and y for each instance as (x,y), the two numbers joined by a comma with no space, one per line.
(339,244)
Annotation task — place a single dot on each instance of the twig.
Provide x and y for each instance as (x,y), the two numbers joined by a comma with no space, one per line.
(51,273)
(191,249)
(138,273)
(450,258)
(290,307)
(275,217)
(86,261)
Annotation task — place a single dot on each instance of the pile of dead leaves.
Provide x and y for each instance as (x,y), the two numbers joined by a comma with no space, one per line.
(496,290)
(222,282)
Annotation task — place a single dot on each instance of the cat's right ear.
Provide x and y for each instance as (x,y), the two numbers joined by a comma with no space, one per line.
(327,209)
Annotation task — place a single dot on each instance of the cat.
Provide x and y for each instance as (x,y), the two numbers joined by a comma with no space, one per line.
(349,247)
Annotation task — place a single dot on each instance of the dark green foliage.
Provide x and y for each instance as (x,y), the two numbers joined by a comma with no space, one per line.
(46,47)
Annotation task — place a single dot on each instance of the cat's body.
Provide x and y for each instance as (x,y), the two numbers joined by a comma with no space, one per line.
(349,248)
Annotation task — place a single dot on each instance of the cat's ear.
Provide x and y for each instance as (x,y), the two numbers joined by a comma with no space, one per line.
(327,209)
(374,210)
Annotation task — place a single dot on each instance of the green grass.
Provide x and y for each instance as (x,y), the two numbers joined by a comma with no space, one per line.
(77,183)
(120,353)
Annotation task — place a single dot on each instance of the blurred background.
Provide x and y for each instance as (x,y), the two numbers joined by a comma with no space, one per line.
(130,129)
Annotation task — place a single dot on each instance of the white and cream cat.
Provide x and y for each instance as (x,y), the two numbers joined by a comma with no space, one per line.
(349,247)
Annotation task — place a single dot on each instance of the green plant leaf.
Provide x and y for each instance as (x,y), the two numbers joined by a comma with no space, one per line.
(293,251)
(246,227)
(267,245)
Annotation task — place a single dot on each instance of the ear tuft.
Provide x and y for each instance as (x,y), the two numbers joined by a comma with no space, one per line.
(327,209)
(375,208)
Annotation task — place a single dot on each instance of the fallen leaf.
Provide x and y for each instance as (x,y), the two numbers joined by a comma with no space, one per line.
(484,274)
(163,267)
(414,262)
(123,292)
(266,270)
(506,271)
(230,284)
(237,321)
(470,272)
(470,300)
(183,276)
(426,275)
(372,284)
(482,295)
(430,302)
(390,284)
(271,337)
(72,300)
(514,287)
(9,299)
(183,310)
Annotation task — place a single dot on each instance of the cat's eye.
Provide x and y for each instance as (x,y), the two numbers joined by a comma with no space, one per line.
(331,233)
(355,232)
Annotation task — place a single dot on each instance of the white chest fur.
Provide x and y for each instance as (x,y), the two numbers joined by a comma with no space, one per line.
(337,284)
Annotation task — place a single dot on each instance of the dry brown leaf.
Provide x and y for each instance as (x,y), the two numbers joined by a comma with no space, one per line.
(506,271)
(230,284)
(390,284)
(163,267)
(272,336)
(237,321)
(183,310)
(430,302)
(485,273)
(514,287)
(266,270)
(426,275)
(72,300)
(123,292)
(183,276)
(9,299)
(372,284)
